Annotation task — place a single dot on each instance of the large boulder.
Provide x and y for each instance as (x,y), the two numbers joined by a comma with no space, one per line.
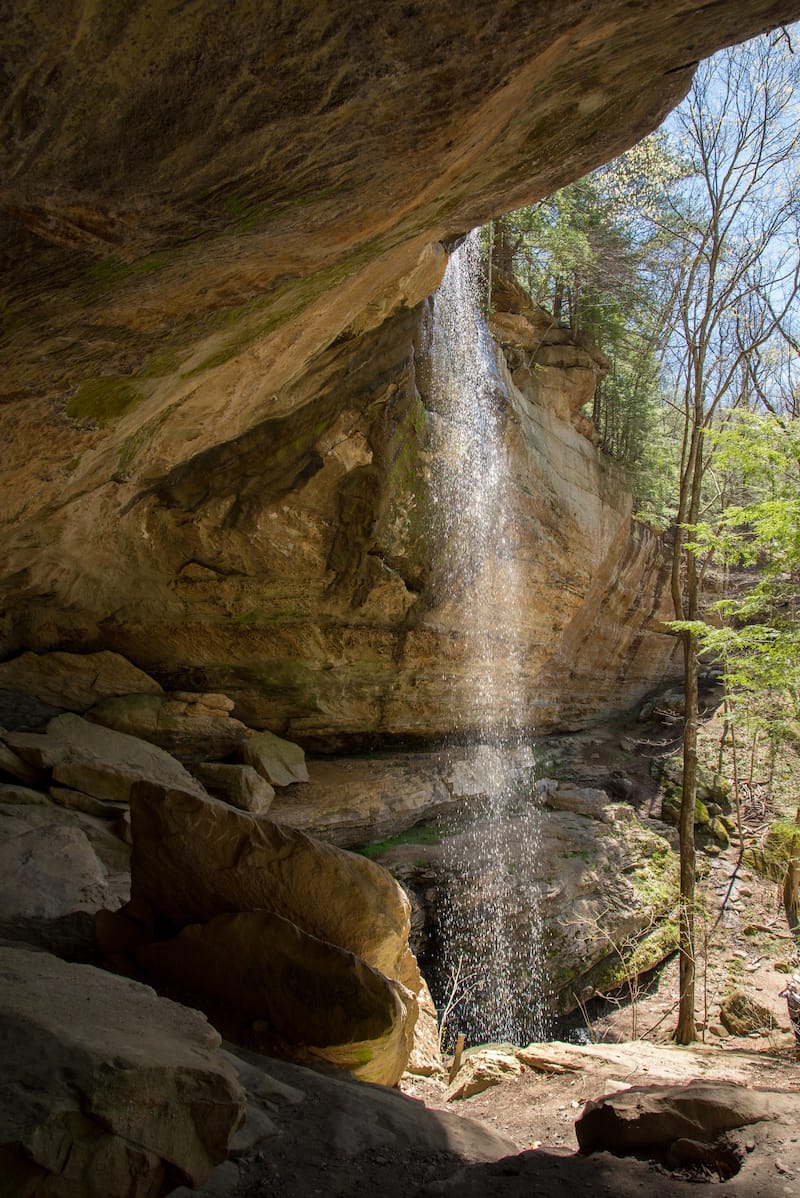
(98,761)
(296,989)
(194,727)
(652,1118)
(57,868)
(195,857)
(74,681)
(741,1014)
(108,1091)
(294,942)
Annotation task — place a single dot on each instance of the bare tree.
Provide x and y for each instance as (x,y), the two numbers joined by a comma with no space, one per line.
(737,219)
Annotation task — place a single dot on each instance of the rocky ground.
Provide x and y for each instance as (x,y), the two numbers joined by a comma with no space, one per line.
(327,1146)
(745,947)
(104,774)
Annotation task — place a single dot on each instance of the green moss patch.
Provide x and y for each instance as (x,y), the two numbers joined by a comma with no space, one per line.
(107,274)
(771,857)
(160,364)
(424,835)
(656,881)
(103,401)
(637,959)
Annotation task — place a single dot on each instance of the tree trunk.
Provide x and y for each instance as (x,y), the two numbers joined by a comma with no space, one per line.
(791,885)
(503,247)
(686,607)
(558,297)
(686,1032)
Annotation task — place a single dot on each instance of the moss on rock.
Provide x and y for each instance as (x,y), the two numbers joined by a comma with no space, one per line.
(103,400)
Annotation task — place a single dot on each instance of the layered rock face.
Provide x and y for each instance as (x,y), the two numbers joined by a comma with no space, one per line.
(340,610)
(216,237)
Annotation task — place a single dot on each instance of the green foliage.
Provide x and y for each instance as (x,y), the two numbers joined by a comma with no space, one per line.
(587,254)
(754,631)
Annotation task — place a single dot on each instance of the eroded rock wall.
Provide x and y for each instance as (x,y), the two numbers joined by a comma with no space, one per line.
(303,570)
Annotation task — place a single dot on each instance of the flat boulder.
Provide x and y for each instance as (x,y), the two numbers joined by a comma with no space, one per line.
(108,1090)
(290,988)
(193,727)
(195,857)
(279,761)
(98,761)
(74,681)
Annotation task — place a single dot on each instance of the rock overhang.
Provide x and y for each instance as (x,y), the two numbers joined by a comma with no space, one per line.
(216,233)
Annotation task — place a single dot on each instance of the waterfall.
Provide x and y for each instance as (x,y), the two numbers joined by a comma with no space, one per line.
(489,924)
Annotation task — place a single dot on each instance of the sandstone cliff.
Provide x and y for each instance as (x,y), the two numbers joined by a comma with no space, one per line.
(303,569)
(216,236)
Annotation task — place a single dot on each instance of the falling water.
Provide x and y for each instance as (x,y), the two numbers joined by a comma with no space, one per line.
(489,924)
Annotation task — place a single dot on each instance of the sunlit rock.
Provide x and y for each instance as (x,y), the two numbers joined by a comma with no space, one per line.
(195,857)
